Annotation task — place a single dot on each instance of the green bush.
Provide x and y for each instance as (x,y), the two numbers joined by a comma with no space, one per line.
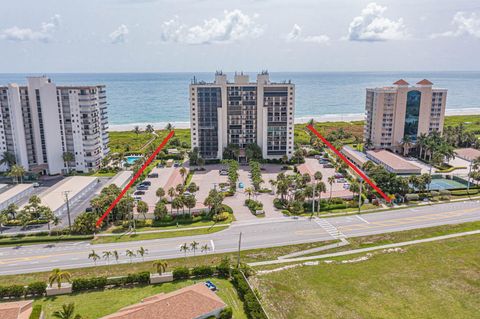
(221,217)
(253,205)
(36,312)
(223,269)
(278,203)
(181,273)
(13,291)
(81,284)
(251,305)
(202,271)
(226,313)
(36,289)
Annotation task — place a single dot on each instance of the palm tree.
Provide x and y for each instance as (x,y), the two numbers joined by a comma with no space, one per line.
(57,276)
(205,248)
(194,246)
(320,187)
(8,159)
(200,162)
(160,192)
(160,266)
(185,249)
(115,255)
(106,255)
(183,172)
(136,130)
(406,143)
(130,254)
(249,191)
(67,312)
(149,129)
(17,171)
(142,252)
(68,157)
(273,183)
(189,202)
(94,256)
(331,180)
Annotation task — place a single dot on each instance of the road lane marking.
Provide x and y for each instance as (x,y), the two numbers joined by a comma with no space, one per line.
(362,219)
(212,244)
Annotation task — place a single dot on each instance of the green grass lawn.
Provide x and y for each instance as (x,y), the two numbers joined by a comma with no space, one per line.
(91,305)
(471,123)
(128,141)
(431,280)
(170,234)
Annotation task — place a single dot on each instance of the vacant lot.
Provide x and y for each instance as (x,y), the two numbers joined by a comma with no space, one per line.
(96,304)
(433,280)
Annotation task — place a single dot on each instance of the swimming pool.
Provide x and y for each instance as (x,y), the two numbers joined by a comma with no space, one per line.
(132,159)
(442,183)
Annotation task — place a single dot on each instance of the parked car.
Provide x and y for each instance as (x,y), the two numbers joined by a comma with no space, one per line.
(36,185)
(153,175)
(346,186)
(223,172)
(176,165)
(138,193)
(137,198)
(241,185)
(147,183)
(338,175)
(142,187)
(89,209)
(160,165)
(328,165)
(341,180)
(210,285)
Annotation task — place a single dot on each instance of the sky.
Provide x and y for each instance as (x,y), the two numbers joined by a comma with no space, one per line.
(204,35)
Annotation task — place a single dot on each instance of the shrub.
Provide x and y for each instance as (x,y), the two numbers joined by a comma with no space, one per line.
(13,291)
(181,273)
(138,278)
(226,313)
(278,203)
(202,271)
(36,288)
(81,284)
(251,305)
(434,193)
(223,269)
(221,217)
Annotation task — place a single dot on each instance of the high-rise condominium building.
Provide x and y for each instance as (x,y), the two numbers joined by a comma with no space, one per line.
(40,122)
(242,113)
(402,112)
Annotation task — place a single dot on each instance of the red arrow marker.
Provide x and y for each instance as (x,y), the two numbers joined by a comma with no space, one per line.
(137,175)
(355,168)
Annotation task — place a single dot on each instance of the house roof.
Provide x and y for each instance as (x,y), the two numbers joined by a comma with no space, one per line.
(424,82)
(468,154)
(396,163)
(401,82)
(16,310)
(187,303)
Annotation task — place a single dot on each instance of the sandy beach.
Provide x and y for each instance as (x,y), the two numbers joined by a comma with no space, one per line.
(322,118)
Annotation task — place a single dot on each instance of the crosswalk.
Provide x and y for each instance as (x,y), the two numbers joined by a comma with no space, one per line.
(329,228)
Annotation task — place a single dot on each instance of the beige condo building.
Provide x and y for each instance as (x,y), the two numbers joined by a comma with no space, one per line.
(403,110)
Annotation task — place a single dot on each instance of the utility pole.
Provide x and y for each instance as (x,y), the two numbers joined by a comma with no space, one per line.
(65,193)
(360,195)
(239,246)
(468,178)
(313,198)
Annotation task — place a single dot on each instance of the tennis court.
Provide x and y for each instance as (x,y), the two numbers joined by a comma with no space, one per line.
(442,183)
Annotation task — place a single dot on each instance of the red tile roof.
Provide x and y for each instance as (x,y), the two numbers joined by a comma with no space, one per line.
(187,303)
(401,82)
(16,310)
(424,82)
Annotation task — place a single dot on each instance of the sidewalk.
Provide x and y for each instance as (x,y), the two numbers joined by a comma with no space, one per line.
(363,250)
(159,230)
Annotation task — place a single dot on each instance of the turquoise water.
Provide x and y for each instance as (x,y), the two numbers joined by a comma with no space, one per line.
(163,97)
(132,159)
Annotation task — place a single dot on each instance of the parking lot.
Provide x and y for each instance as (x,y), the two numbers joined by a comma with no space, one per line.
(312,165)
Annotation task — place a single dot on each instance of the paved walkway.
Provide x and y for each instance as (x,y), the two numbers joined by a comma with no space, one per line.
(363,250)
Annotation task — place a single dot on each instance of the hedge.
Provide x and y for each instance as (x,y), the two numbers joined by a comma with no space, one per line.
(81,284)
(11,292)
(36,289)
(252,307)
(181,273)
(226,313)
(202,271)
(9,240)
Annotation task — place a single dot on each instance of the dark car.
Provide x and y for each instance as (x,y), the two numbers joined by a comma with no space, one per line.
(89,209)
(142,187)
(147,183)
(138,193)
(153,175)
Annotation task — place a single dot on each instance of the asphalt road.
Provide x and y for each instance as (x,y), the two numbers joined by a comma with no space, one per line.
(255,234)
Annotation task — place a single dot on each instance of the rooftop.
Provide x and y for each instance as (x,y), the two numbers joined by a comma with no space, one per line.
(12,192)
(395,162)
(190,302)
(468,154)
(358,156)
(16,310)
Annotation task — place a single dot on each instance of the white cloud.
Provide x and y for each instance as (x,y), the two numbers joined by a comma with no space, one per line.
(464,24)
(371,25)
(44,34)
(233,26)
(296,35)
(119,35)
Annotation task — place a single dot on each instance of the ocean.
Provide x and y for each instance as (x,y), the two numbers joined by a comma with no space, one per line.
(163,97)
